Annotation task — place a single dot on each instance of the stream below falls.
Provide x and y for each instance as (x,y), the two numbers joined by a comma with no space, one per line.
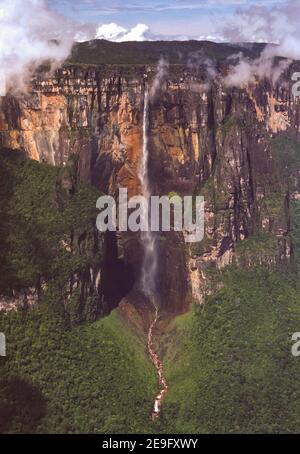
(162,382)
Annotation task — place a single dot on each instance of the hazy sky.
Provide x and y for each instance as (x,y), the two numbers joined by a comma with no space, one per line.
(177,17)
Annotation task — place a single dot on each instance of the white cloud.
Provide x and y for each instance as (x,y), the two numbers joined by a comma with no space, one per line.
(214,38)
(111,32)
(27,33)
(141,32)
(114,32)
(137,33)
(82,36)
(279,24)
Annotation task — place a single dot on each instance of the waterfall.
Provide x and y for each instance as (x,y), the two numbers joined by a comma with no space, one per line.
(150,261)
(149,239)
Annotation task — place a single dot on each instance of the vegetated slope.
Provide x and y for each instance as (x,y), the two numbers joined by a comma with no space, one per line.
(62,373)
(101,52)
(48,237)
(229,365)
(95,378)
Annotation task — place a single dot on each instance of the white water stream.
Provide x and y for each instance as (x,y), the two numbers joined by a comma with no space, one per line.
(149,268)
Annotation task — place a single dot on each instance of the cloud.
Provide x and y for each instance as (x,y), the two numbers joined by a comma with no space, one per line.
(111,32)
(114,32)
(277,25)
(160,79)
(30,34)
(141,32)
(215,38)
(246,71)
(137,33)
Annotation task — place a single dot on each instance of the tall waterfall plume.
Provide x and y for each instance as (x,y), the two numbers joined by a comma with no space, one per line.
(149,239)
(150,262)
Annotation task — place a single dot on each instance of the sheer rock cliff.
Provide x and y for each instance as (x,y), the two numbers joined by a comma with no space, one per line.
(227,144)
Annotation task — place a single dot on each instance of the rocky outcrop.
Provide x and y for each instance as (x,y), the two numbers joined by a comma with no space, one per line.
(211,140)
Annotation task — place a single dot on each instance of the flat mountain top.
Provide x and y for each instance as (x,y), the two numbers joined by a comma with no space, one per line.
(101,52)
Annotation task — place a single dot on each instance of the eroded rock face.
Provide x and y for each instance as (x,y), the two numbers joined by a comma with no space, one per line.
(214,141)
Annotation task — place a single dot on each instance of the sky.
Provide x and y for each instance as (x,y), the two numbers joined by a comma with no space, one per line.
(178,18)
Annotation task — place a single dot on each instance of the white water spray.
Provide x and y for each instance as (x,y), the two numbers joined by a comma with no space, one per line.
(150,262)
(149,239)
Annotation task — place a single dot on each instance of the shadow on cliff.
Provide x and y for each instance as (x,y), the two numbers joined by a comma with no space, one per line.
(22,406)
(117,276)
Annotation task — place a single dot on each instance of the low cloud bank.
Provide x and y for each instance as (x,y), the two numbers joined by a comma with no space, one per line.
(30,34)
(278,26)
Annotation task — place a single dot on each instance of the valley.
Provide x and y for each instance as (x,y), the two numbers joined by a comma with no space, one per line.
(128,333)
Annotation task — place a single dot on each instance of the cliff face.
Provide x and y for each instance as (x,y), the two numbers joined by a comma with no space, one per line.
(222,143)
